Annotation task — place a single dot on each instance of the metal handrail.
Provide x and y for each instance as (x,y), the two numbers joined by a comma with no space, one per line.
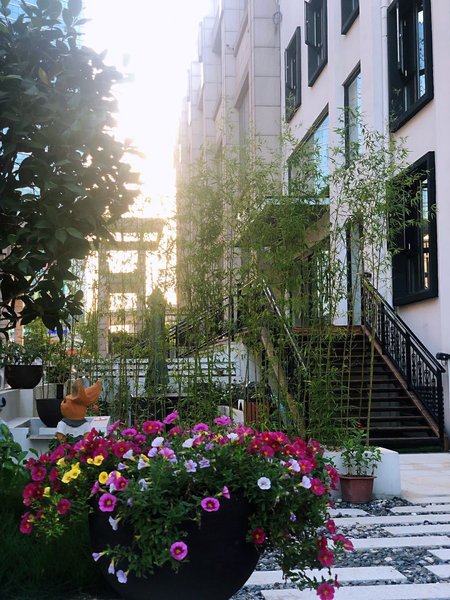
(421,370)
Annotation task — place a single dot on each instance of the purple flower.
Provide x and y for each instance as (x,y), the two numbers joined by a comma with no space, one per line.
(223,420)
(168,454)
(264,483)
(152,452)
(121,466)
(95,488)
(121,576)
(210,504)
(200,427)
(111,569)
(178,550)
(63,506)
(107,502)
(226,492)
(190,466)
(293,518)
(204,463)
(171,418)
(130,431)
(114,523)
(97,555)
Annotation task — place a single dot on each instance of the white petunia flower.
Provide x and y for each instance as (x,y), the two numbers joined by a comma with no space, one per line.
(157,442)
(306,482)
(188,443)
(264,483)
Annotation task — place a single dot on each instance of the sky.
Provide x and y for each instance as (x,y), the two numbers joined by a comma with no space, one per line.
(155,41)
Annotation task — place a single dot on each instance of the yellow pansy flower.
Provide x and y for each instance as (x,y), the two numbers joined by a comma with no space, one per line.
(47,491)
(61,462)
(98,459)
(103,477)
(145,458)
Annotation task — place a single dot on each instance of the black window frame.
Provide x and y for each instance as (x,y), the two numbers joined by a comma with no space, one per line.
(316,37)
(404,256)
(349,12)
(293,75)
(403,54)
(347,83)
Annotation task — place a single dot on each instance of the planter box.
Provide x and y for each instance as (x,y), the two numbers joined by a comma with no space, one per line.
(387,476)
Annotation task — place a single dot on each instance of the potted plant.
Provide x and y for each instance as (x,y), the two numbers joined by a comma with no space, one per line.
(186,511)
(360,461)
(20,363)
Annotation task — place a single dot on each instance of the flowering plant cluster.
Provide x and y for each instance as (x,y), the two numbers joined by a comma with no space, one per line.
(359,458)
(157,476)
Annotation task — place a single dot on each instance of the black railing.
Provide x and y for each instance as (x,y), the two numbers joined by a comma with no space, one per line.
(421,371)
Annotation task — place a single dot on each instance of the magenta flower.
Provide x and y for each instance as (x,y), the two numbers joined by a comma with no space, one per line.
(176,431)
(226,492)
(200,427)
(152,427)
(120,483)
(223,420)
(63,506)
(107,502)
(210,504)
(131,431)
(38,472)
(331,526)
(326,557)
(178,550)
(173,416)
(317,487)
(325,591)
(95,487)
(258,535)
(168,454)
(26,525)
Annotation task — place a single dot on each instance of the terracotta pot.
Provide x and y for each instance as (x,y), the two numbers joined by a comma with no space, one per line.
(357,489)
(220,558)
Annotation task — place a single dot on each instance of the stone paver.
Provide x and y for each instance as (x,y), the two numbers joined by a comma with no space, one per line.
(419,509)
(442,553)
(392,520)
(349,512)
(413,591)
(442,528)
(441,571)
(345,575)
(401,542)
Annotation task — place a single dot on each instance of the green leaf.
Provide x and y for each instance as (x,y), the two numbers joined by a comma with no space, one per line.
(74,232)
(75,7)
(61,235)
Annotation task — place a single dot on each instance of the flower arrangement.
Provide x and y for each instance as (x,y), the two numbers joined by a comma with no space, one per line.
(358,458)
(159,475)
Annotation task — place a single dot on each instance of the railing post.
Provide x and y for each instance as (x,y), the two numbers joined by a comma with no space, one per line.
(440,400)
(383,328)
(408,360)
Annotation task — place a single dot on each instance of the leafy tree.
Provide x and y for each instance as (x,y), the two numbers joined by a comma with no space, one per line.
(63,176)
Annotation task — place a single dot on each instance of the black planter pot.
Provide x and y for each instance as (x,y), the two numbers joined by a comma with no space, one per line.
(49,410)
(220,559)
(24,377)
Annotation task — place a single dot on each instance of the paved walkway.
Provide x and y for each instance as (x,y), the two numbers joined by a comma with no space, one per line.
(425,481)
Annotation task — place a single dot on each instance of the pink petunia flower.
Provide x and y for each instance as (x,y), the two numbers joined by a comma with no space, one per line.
(152,427)
(226,492)
(326,557)
(38,473)
(346,543)
(325,591)
(200,427)
(176,431)
(63,506)
(331,526)
(179,550)
(26,524)
(210,504)
(223,420)
(107,502)
(173,416)
(317,487)
(258,535)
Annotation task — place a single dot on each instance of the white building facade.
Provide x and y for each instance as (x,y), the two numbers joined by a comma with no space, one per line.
(268,62)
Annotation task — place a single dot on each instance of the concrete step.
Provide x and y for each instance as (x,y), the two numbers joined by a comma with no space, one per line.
(392,520)
(428,541)
(418,509)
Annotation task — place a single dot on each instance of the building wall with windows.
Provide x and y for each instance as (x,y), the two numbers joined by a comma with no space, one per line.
(389,58)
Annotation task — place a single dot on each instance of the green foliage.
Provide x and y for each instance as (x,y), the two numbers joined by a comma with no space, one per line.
(357,457)
(12,353)
(63,176)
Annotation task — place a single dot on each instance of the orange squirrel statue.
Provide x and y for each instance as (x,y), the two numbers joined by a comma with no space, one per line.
(73,410)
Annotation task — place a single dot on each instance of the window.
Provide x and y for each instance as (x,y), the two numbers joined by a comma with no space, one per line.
(292,76)
(353,108)
(316,37)
(409,59)
(414,265)
(308,176)
(349,12)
